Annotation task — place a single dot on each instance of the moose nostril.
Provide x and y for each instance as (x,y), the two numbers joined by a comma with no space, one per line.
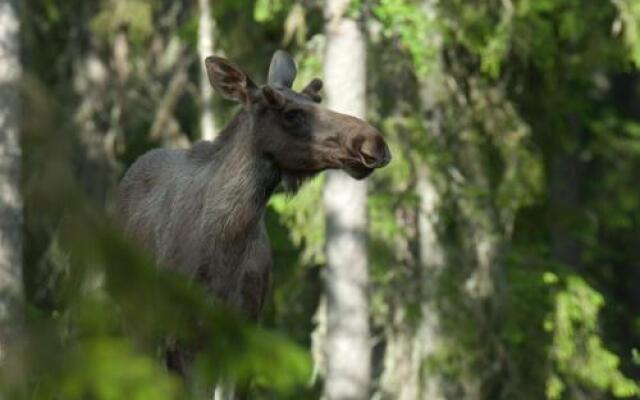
(368,153)
(368,160)
(374,153)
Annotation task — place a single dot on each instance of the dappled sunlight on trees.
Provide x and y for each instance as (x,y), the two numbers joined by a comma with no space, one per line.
(501,241)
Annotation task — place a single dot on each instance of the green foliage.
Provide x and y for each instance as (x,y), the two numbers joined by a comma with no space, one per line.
(306,225)
(133,15)
(617,142)
(554,319)
(417,28)
(483,97)
(265,10)
(116,310)
(388,235)
(498,149)
(577,349)
(629,23)
(309,61)
(109,369)
(496,31)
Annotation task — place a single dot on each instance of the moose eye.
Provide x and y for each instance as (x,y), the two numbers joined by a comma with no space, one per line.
(293,116)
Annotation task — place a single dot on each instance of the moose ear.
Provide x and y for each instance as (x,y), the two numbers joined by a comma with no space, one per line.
(282,70)
(229,80)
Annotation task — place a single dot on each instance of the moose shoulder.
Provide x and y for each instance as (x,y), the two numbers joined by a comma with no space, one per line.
(199,211)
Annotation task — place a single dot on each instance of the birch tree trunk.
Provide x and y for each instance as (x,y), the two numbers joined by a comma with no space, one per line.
(10,156)
(205,49)
(347,345)
(429,337)
(410,345)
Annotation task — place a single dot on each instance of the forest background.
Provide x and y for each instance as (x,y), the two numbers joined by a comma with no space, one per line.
(502,257)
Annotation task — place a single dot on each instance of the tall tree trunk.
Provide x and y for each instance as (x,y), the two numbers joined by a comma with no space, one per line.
(483,236)
(10,158)
(411,344)
(564,191)
(429,338)
(345,200)
(205,49)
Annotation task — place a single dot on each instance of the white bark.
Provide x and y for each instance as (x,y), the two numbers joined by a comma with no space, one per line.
(405,376)
(345,200)
(224,392)
(411,345)
(205,49)
(429,336)
(10,156)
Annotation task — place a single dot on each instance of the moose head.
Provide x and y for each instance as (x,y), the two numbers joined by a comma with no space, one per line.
(300,136)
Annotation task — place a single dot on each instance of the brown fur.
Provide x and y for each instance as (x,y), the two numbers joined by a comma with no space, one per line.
(200,211)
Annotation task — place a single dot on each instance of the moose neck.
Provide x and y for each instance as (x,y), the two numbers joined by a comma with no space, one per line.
(241,185)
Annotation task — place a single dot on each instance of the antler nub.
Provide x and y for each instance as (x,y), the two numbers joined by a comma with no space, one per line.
(312,90)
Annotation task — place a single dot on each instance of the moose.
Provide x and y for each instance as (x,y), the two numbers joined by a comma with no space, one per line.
(199,211)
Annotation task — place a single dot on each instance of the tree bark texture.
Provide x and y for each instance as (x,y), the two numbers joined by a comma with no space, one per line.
(10,158)
(411,344)
(347,347)
(205,49)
